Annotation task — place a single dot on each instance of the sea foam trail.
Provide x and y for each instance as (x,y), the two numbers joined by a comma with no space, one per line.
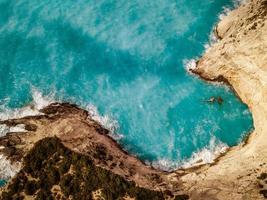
(39,101)
(215,148)
(205,155)
(8,170)
(106,121)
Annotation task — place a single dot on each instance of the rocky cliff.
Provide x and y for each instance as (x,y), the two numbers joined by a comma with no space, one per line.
(239,59)
(76,134)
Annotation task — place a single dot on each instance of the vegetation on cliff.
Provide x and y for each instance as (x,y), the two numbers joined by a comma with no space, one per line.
(52,171)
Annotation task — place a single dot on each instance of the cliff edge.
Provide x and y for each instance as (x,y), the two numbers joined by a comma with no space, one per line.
(239,58)
(86,144)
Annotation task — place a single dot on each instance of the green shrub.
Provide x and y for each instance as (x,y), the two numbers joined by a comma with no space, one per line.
(30,187)
(182,197)
(44,162)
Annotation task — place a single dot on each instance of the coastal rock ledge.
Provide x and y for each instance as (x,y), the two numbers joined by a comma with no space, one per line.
(64,154)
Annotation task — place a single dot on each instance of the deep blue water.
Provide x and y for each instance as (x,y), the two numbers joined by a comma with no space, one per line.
(126,58)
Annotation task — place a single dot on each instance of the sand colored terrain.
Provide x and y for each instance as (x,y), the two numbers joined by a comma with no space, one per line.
(240,59)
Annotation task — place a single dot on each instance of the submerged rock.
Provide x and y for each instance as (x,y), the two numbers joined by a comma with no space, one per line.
(218,100)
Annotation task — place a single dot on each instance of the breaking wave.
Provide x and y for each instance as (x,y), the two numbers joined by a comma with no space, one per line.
(7,170)
(132,41)
(190,64)
(205,155)
(39,101)
(104,120)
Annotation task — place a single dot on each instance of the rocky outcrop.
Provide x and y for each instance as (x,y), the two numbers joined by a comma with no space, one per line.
(82,135)
(239,58)
(52,171)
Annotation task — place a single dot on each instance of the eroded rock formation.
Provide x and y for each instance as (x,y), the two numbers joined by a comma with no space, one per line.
(83,136)
(239,58)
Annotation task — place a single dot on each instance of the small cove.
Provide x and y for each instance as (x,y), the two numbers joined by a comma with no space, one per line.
(127,59)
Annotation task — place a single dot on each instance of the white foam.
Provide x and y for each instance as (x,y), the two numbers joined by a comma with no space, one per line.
(212,40)
(165,164)
(190,64)
(105,121)
(7,113)
(5,129)
(39,102)
(7,170)
(225,12)
(206,155)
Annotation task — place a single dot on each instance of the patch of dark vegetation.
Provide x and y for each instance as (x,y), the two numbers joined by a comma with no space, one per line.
(264,193)
(9,143)
(262,182)
(262,176)
(30,127)
(50,164)
(182,197)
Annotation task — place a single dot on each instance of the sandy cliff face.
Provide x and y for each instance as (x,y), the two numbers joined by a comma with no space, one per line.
(239,58)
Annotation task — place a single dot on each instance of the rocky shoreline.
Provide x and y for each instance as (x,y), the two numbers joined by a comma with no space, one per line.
(239,59)
(82,135)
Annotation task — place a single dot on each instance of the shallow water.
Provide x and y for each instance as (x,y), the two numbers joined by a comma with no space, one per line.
(127,58)
(2,183)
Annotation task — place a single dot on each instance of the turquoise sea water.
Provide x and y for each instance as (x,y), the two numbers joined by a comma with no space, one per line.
(127,58)
(2,183)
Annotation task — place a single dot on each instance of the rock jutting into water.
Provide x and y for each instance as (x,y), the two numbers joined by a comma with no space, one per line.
(80,134)
(239,58)
(123,61)
(52,171)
